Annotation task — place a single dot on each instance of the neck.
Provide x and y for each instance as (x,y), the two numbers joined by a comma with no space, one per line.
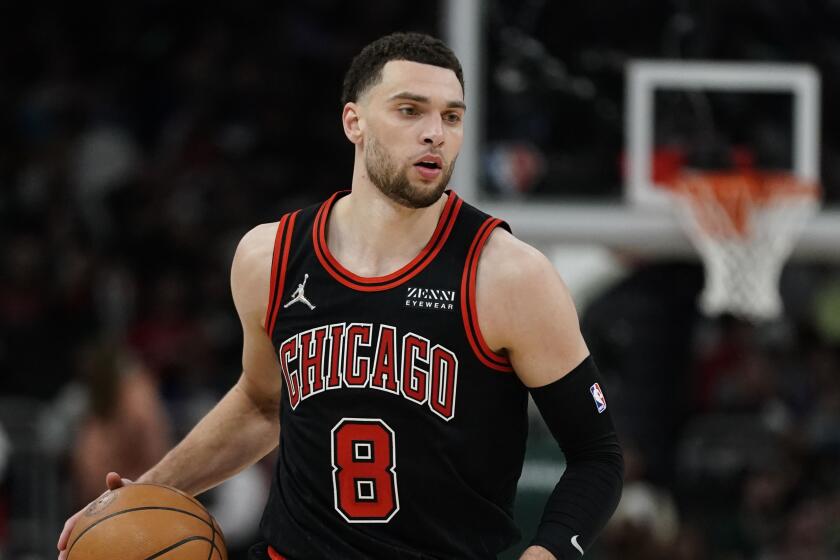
(372,235)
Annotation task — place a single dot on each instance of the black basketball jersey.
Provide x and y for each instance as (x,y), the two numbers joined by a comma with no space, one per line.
(402,433)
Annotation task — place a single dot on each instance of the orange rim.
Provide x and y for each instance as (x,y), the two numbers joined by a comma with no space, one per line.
(724,201)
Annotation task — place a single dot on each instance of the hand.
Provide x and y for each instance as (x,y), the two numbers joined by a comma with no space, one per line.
(112,481)
(536,553)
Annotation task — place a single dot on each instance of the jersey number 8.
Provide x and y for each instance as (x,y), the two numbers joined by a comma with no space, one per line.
(364,479)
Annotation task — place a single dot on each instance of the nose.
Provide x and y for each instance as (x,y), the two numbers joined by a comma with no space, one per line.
(433,130)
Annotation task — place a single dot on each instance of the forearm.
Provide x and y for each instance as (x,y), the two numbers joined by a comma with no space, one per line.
(236,433)
(583,500)
(575,411)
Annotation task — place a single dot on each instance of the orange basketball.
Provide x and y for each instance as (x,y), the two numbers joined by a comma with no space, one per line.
(145,521)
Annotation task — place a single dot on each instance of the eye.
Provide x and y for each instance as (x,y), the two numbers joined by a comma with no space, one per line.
(408,111)
(452,118)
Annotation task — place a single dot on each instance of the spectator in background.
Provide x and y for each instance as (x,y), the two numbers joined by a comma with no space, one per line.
(126,423)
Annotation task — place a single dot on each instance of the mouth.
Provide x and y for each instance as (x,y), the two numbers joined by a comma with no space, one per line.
(429,167)
(430,162)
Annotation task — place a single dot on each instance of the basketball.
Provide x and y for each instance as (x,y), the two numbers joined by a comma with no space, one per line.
(141,521)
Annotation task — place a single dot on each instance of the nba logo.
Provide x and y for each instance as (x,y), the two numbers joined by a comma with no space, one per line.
(598,397)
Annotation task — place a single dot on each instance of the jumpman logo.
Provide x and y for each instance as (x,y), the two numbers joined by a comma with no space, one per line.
(298,296)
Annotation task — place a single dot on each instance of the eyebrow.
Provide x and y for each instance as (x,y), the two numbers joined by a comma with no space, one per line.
(423,99)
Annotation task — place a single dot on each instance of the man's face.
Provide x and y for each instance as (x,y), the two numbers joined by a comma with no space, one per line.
(412,131)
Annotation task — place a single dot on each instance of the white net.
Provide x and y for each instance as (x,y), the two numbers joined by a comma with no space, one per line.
(745,227)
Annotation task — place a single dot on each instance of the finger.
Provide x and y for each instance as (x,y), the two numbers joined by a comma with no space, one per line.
(114,481)
(68,528)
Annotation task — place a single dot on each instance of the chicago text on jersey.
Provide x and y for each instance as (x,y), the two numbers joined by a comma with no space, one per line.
(346,356)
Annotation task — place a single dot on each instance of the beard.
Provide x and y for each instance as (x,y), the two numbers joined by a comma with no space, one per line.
(393,182)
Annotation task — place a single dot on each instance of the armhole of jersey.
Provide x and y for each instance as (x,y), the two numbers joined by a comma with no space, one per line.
(469,314)
(279,260)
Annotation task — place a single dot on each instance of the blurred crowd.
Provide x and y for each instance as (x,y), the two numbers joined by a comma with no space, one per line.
(140,141)
(732,430)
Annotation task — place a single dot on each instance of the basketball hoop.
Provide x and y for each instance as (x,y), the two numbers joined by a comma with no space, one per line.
(744,224)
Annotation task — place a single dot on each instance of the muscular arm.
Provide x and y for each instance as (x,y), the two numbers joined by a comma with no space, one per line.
(525,309)
(244,426)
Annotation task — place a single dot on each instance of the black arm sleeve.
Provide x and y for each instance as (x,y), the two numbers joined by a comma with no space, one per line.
(575,411)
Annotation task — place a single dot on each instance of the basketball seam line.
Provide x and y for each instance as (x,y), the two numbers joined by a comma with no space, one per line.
(213,541)
(144,508)
(176,545)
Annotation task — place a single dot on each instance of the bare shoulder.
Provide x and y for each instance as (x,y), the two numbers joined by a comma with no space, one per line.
(507,262)
(526,311)
(250,278)
(251,270)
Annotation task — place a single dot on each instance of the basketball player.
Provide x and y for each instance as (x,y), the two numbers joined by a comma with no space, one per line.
(395,332)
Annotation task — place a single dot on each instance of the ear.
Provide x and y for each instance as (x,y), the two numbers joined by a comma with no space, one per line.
(353,122)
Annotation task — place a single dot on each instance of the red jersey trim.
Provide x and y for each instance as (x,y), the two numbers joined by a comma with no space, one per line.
(274,555)
(282,244)
(380,283)
(469,315)
(278,239)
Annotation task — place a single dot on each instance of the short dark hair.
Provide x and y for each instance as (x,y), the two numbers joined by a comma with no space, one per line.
(366,68)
